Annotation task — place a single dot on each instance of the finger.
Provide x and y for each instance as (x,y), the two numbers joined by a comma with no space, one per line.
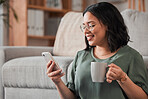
(117,70)
(112,69)
(57,77)
(50,69)
(54,73)
(109,81)
(115,73)
(113,65)
(48,64)
(110,78)
(111,74)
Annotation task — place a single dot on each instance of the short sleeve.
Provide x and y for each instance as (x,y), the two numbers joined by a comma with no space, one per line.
(71,76)
(138,73)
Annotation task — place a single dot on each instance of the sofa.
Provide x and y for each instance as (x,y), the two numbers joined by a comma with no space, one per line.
(23,69)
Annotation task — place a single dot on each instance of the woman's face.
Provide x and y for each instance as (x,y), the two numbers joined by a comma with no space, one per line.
(97,35)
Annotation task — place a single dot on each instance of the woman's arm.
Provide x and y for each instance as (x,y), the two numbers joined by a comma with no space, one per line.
(64,92)
(131,89)
(55,76)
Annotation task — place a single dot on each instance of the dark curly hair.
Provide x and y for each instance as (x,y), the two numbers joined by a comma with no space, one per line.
(109,15)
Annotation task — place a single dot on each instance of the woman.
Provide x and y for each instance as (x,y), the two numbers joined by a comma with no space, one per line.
(106,40)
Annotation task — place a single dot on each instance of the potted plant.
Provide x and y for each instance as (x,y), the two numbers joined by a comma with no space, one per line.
(5,4)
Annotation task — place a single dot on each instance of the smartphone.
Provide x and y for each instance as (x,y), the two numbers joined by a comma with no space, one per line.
(48,57)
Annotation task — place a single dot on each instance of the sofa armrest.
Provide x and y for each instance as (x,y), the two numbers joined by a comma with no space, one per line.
(30,72)
(11,52)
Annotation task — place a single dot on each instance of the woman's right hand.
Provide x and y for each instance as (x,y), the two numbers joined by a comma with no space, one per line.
(55,76)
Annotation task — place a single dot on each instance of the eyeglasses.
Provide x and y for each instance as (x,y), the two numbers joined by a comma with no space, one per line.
(89,27)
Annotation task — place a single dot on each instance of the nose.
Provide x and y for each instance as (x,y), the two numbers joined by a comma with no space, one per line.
(86,31)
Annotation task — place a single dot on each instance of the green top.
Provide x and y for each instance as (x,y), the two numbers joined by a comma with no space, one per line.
(129,60)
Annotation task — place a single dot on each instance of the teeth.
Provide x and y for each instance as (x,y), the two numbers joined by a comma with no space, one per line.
(90,37)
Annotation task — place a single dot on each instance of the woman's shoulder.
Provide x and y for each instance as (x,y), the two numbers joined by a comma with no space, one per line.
(84,52)
(128,50)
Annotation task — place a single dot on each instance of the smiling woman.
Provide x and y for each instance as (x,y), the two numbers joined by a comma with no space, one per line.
(97,35)
(106,38)
(115,17)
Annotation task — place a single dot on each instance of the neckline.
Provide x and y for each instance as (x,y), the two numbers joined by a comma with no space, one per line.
(92,54)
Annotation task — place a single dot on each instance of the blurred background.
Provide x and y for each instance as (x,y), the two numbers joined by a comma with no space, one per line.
(35,22)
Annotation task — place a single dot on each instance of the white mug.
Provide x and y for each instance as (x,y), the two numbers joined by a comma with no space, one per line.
(98,71)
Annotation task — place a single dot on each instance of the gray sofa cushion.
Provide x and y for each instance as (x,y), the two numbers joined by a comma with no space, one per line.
(31,72)
(137,23)
(12,52)
(69,35)
(30,93)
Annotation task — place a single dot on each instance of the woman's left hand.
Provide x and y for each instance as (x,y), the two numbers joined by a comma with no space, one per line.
(114,73)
